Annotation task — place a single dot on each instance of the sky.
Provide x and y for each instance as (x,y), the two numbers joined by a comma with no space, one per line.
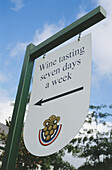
(25,21)
(30,21)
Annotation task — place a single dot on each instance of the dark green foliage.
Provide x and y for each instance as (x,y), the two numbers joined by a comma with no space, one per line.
(95,145)
(56,160)
(24,160)
(105,165)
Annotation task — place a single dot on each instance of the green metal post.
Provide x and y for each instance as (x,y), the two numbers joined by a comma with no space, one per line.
(70,31)
(32,53)
(18,113)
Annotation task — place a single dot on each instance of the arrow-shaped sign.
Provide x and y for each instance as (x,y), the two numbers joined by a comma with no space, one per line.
(39,103)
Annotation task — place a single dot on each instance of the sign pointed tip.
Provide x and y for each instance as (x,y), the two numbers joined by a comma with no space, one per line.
(39,103)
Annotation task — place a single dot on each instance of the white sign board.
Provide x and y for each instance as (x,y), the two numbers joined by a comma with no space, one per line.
(60,98)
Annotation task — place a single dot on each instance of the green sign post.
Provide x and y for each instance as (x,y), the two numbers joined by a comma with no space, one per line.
(33,52)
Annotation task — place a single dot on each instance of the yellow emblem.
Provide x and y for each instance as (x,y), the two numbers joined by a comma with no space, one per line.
(50,131)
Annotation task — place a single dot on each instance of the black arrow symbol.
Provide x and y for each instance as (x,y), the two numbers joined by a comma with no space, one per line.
(39,103)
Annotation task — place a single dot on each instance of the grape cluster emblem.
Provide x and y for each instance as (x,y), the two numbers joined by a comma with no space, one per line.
(51,130)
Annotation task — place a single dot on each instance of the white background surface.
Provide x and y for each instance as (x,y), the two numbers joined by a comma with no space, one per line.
(72,108)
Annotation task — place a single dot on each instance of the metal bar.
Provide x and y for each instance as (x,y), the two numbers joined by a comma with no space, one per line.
(75,28)
(18,113)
